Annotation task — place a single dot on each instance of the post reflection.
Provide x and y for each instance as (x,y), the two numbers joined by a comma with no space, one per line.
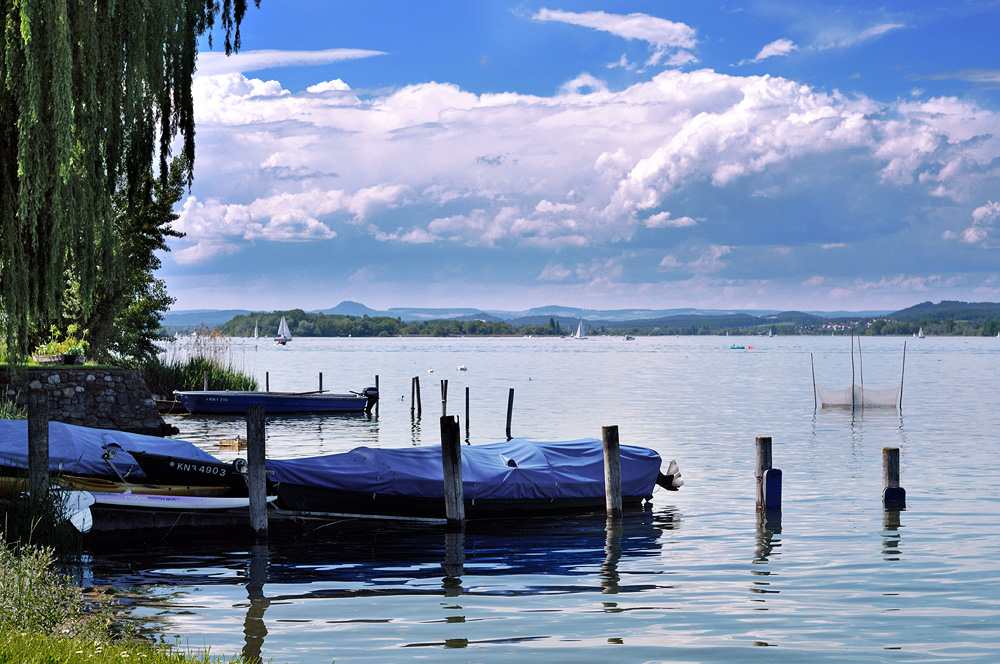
(768,526)
(453,564)
(891,537)
(254,629)
(612,554)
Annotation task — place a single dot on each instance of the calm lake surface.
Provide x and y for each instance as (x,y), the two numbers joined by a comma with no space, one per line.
(694,578)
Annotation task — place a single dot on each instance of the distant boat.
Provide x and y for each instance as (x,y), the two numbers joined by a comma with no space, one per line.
(920,334)
(256,330)
(629,337)
(579,331)
(284,334)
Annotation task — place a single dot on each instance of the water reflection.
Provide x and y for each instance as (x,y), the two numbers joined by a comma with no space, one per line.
(768,526)
(891,537)
(254,629)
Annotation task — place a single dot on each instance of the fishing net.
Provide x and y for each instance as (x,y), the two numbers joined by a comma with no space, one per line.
(863,397)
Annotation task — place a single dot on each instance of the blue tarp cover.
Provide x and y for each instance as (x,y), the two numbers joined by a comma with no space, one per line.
(566,469)
(77,450)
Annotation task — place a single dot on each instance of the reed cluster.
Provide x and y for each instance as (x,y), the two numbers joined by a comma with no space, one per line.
(185,361)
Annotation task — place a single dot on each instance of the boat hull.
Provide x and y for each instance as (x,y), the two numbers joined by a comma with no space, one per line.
(236,403)
(312,499)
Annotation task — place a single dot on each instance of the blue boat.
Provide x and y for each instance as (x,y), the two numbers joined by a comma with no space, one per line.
(516,477)
(237,402)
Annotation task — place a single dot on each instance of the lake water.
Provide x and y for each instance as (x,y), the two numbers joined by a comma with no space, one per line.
(697,577)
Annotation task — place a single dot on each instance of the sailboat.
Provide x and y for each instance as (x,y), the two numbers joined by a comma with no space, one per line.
(256,330)
(579,331)
(920,334)
(284,334)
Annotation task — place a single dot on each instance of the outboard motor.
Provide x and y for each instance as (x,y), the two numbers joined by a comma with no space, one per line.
(372,394)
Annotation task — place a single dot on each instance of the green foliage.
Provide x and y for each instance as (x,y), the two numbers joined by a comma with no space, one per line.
(69,345)
(92,94)
(39,522)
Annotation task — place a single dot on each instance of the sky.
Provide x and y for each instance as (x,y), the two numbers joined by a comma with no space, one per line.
(781,154)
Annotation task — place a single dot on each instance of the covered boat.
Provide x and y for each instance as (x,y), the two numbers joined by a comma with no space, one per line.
(499,479)
(237,402)
(90,452)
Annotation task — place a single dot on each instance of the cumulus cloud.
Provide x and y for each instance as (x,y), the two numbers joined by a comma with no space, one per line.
(566,170)
(983,218)
(211,63)
(667,39)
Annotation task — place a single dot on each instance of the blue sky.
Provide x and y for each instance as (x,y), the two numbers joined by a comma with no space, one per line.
(505,155)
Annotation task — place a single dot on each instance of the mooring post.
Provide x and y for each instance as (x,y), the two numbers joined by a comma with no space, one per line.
(893,495)
(466,412)
(444,397)
(416,383)
(768,478)
(510,410)
(267,381)
(612,472)
(38,445)
(379,395)
(413,396)
(451,459)
(320,381)
(256,475)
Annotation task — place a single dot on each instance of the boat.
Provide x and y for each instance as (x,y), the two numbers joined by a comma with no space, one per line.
(920,334)
(256,330)
(237,402)
(579,331)
(284,333)
(516,477)
(629,337)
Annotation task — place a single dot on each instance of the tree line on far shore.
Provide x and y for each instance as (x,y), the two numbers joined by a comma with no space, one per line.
(311,324)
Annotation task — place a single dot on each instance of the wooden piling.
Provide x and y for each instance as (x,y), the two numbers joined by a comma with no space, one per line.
(320,381)
(256,476)
(768,478)
(38,444)
(379,395)
(267,381)
(902,374)
(466,412)
(612,472)
(413,395)
(813,366)
(444,397)
(510,410)
(893,495)
(416,383)
(451,459)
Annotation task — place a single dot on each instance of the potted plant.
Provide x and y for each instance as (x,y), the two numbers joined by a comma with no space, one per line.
(70,350)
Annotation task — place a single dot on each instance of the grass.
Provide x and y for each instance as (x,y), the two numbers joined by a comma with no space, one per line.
(45,618)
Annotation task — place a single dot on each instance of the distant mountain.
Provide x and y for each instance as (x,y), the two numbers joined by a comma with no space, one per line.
(974,312)
(348,308)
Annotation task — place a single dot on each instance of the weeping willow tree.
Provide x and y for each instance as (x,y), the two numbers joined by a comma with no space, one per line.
(93,94)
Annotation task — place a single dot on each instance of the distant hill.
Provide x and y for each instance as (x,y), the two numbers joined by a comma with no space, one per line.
(972,312)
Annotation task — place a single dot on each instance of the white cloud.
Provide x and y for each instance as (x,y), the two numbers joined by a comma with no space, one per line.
(212,63)
(841,38)
(555,272)
(664,220)
(567,170)
(983,218)
(776,48)
(662,35)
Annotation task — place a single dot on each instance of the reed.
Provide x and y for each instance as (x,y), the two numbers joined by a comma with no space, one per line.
(184,362)
(38,523)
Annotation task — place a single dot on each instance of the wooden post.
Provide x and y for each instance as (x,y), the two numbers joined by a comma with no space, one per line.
(510,410)
(204,377)
(612,472)
(902,374)
(444,397)
(38,445)
(813,365)
(379,395)
(320,381)
(451,459)
(768,478)
(893,495)
(852,370)
(267,381)
(416,382)
(467,412)
(413,395)
(256,476)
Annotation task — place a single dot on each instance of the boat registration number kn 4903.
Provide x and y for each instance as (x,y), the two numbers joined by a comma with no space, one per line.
(204,469)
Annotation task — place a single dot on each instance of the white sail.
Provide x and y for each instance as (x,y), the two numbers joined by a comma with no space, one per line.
(284,333)
(256,330)
(579,331)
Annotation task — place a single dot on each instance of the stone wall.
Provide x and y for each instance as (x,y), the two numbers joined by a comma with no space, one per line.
(99,398)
